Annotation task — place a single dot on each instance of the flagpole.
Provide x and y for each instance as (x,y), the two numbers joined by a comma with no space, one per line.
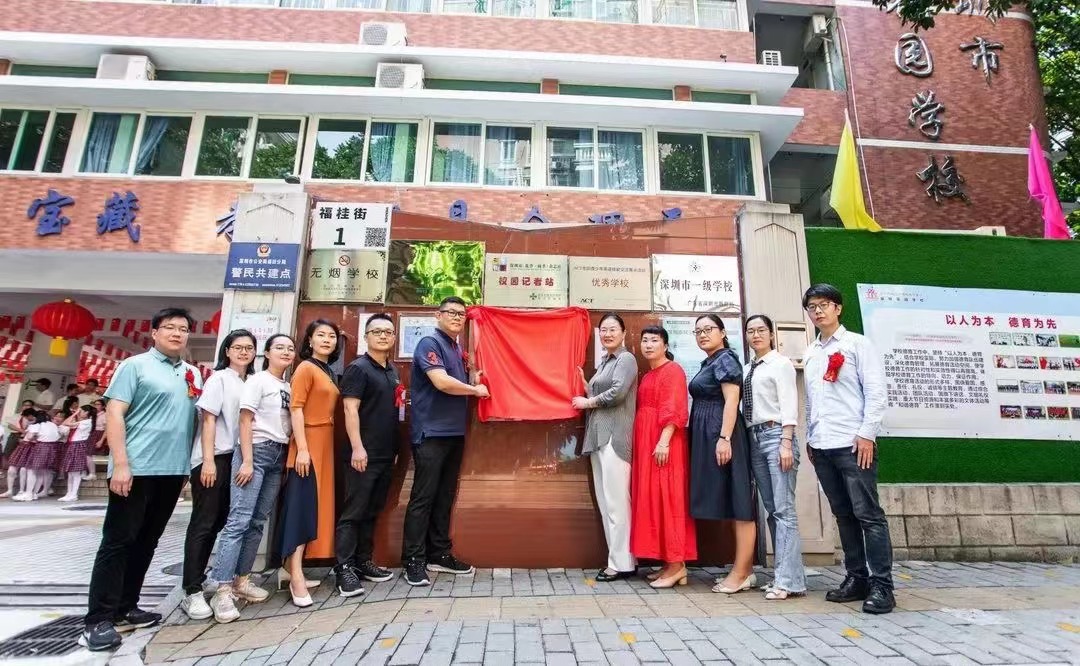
(855,109)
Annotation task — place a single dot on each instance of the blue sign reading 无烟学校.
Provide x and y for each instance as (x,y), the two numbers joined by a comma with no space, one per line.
(262,266)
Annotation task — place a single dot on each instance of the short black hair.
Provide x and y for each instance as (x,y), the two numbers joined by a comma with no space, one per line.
(377,316)
(44,381)
(171,313)
(654,329)
(92,381)
(306,349)
(452,299)
(612,315)
(822,290)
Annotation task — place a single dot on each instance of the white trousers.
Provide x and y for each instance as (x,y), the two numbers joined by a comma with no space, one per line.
(611,476)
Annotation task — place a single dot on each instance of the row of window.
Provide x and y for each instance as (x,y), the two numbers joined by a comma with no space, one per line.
(720,14)
(380,151)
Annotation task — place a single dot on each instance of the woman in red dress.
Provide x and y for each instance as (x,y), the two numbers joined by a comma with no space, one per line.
(660,524)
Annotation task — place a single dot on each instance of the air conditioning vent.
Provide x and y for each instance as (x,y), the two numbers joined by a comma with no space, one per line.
(126,67)
(396,75)
(382,33)
(817,30)
(771,58)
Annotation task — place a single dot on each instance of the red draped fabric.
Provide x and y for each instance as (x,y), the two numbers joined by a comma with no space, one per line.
(529,360)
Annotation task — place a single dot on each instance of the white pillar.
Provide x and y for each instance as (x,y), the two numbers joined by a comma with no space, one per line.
(60,370)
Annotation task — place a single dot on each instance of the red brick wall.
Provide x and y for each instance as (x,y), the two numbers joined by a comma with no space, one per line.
(294,25)
(823,116)
(180,217)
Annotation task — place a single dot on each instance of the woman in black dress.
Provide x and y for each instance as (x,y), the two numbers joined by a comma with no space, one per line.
(720,472)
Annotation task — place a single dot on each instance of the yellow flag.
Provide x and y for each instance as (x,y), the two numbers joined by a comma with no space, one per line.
(847,196)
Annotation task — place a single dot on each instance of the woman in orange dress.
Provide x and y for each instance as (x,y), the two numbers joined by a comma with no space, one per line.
(660,524)
(308,503)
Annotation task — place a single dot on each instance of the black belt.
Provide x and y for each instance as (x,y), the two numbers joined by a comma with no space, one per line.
(767,424)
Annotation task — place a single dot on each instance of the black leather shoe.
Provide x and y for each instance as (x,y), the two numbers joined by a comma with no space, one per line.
(880,601)
(603,576)
(852,589)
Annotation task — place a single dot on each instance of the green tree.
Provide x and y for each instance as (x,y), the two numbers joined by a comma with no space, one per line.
(682,168)
(274,160)
(1057,39)
(344,164)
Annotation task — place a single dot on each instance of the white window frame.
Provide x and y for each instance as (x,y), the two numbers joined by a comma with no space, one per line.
(198,127)
(429,154)
(596,129)
(756,166)
(420,159)
(645,16)
(249,153)
(43,149)
(81,132)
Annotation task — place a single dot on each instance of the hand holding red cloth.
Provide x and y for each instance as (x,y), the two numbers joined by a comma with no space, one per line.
(530,360)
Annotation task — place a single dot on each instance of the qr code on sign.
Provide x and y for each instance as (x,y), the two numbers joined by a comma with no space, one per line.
(374,237)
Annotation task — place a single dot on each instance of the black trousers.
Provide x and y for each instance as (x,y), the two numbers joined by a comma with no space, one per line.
(365,497)
(129,537)
(209,510)
(437,465)
(853,498)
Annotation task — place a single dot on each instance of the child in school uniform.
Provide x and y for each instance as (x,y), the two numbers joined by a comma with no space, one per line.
(16,474)
(41,462)
(73,461)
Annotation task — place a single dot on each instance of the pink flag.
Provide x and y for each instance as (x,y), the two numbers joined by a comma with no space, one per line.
(1041,188)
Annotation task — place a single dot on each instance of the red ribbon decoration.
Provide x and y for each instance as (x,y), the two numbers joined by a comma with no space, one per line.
(833,372)
(192,390)
(399,396)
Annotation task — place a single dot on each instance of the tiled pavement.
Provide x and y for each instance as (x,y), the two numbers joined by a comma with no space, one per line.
(949,613)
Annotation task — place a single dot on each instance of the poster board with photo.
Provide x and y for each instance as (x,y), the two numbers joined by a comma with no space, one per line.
(982,363)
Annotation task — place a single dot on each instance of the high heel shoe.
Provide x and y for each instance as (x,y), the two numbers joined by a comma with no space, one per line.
(678,578)
(300,602)
(750,582)
(284,578)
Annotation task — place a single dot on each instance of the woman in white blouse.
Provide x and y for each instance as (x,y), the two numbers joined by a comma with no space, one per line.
(770,408)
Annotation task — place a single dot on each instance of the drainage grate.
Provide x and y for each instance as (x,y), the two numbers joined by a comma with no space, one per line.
(54,639)
(86,507)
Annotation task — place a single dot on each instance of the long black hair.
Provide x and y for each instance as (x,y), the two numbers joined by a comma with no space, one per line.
(91,411)
(305,347)
(223,357)
(654,329)
(270,343)
(769,323)
(715,318)
(71,403)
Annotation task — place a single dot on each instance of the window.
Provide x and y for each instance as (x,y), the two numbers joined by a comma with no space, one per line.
(392,154)
(109,143)
(723,14)
(23,134)
(492,7)
(221,151)
(423,6)
(276,145)
(613,11)
(576,155)
(455,153)
(163,145)
(339,149)
(508,156)
(684,164)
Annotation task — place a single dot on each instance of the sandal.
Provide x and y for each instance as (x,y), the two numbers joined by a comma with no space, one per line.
(779,594)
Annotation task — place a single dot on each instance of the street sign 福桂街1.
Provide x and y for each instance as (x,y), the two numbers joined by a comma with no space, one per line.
(350,226)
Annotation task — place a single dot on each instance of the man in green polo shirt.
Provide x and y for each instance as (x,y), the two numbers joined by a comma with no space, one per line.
(150,426)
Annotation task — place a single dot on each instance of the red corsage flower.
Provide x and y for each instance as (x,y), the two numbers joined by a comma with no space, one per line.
(399,396)
(832,373)
(192,390)
(465,358)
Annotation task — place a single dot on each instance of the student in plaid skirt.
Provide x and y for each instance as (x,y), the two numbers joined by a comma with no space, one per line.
(73,462)
(16,460)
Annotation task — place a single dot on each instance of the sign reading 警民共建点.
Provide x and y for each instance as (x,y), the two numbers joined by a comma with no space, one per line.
(350,226)
(985,363)
(610,283)
(525,280)
(351,276)
(695,283)
(262,266)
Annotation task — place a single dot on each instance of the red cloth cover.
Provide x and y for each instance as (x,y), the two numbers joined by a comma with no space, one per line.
(529,361)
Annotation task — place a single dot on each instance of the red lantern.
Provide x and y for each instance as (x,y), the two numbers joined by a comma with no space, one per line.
(215,322)
(63,320)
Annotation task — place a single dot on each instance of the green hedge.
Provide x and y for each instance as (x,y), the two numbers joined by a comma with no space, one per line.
(845,258)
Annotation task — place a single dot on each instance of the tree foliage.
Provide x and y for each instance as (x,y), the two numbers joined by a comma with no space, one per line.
(1057,39)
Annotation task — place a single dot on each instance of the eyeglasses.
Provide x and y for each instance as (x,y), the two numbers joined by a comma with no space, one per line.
(610,331)
(705,330)
(454,314)
(283,348)
(170,328)
(242,348)
(381,332)
(751,332)
(818,307)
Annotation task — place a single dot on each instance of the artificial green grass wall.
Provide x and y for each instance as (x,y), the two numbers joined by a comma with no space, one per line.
(845,258)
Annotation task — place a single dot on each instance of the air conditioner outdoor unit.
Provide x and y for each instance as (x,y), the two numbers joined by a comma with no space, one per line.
(397,75)
(772,58)
(126,67)
(817,29)
(382,33)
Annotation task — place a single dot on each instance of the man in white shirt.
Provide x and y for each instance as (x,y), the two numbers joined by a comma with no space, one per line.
(90,393)
(845,402)
(45,397)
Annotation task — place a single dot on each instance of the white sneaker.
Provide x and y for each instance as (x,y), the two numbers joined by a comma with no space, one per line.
(67,498)
(22,497)
(50,492)
(6,494)
(89,477)
(222,604)
(248,591)
(196,607)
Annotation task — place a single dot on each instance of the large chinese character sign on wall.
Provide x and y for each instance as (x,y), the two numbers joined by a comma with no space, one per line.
(986,363)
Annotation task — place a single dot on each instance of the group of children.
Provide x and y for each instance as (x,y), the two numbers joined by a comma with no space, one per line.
(63,442)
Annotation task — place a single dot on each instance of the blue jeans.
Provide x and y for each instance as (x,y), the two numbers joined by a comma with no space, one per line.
(777,491)
(249,507)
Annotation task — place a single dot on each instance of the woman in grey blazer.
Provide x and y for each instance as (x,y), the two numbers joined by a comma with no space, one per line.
(609,403)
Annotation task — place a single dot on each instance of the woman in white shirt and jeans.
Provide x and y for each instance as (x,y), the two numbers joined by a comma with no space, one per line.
(770,408)
(257,468)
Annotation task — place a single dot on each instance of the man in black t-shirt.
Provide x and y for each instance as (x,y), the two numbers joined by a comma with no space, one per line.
(370,394)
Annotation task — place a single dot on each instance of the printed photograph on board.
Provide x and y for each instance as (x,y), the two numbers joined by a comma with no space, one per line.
(1001,339)
(1031,387)
(1074,388)
(1076,413)
(425,272)
(1043,340)
(1057,413)
(1069,340)
(1055,388)
(1050,362)
(1006,361)
(1008,386)
(1023,339)
(1011,412)
(1034,412)
(1024,363)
